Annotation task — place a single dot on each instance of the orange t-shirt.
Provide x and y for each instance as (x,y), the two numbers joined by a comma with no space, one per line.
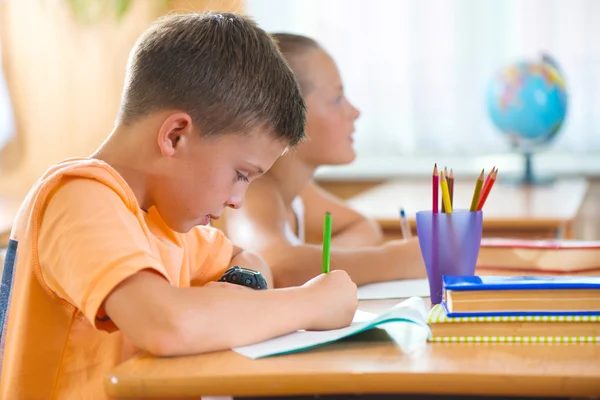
(79,233)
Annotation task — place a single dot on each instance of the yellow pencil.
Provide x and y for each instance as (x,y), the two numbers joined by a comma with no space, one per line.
(477,192)
(445,193)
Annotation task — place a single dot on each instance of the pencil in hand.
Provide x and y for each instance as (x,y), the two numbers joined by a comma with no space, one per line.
(477,192)
(326,242)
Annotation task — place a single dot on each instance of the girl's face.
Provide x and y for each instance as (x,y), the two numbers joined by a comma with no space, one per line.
(330,116)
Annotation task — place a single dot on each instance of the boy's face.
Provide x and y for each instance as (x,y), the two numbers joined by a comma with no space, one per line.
(330,116)
(202,176)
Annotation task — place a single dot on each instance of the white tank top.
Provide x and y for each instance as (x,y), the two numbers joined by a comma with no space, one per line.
(296,238)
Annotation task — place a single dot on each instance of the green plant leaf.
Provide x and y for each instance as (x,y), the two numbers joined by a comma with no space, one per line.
(121,7)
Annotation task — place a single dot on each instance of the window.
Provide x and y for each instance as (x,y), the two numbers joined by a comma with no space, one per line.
(418,71)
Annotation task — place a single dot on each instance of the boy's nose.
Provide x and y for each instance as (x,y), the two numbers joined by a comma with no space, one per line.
(235,202)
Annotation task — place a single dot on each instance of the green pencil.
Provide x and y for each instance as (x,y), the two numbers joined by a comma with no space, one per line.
(326,242)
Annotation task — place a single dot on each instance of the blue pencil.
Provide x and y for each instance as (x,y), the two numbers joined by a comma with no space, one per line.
(406,233)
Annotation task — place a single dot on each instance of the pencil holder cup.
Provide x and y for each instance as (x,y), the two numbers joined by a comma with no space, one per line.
(449,245)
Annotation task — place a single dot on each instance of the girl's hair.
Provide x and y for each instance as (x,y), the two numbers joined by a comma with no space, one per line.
(294,48)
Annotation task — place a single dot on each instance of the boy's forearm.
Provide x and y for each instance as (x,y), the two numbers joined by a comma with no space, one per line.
(364,233)
(295,265)
(179,321)
(222,319)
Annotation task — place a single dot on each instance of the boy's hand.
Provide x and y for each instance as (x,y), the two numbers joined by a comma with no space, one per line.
(333,300)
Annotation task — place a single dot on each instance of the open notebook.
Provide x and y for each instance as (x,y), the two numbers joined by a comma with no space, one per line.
(412,311)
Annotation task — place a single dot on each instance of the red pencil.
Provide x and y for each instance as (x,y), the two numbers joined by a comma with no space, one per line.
(487,180)
(488,189)
(435,188)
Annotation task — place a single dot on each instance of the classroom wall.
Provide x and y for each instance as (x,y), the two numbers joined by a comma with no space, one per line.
(65,78)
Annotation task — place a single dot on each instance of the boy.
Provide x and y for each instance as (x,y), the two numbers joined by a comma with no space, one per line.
(105,252)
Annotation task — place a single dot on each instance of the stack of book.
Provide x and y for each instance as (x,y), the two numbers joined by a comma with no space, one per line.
(517,309)
(498,256)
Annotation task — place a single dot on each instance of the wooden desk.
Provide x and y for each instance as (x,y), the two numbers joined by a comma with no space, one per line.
(370,363)
(510,211)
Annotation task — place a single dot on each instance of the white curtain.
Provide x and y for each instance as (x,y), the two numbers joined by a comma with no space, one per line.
(418,69)
(7,123)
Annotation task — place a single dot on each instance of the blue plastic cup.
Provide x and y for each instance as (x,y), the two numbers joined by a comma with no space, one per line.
(449,245)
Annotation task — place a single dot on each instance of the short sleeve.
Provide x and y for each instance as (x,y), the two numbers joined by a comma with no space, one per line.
(210,254)
(90,242)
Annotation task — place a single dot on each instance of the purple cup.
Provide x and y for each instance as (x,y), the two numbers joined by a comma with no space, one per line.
(449,245)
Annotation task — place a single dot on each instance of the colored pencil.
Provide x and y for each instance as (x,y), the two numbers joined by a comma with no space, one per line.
(445,193)
(435,188)
(451,187)
(487,180)
(404,227)
(487,190)
(446,175)
(326,242)
(477,192)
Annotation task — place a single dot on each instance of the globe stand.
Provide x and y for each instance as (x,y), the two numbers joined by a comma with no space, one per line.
(528,177)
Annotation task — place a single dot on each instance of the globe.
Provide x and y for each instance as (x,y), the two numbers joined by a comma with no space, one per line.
(527,102)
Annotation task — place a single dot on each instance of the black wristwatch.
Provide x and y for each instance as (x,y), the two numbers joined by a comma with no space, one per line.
(244,277)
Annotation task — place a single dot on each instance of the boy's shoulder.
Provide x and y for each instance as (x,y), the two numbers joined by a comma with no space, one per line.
(73,185)
(84,182)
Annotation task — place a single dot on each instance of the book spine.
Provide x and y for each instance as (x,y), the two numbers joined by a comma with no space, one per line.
(515,339)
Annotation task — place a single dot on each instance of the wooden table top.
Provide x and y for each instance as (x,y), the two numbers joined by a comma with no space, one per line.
(507,205)
(370,363)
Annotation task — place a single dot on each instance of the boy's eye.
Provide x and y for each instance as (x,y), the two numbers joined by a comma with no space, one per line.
(242,177)
(338,99)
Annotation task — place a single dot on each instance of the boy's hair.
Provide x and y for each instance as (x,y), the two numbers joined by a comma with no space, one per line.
(294,47)
(222,69)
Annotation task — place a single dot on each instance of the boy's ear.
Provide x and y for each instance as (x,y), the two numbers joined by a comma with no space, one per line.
(174,132)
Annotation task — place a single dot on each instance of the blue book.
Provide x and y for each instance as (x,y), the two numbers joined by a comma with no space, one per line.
(521,295)
(520,282)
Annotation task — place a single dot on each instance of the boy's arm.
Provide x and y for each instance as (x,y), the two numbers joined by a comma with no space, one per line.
(170,321)
(349,228)
(259,227)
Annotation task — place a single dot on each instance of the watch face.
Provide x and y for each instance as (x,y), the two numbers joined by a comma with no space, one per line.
(244,277)
(248,271)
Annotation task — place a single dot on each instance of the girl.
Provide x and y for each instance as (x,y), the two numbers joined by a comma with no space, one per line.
(283,210)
